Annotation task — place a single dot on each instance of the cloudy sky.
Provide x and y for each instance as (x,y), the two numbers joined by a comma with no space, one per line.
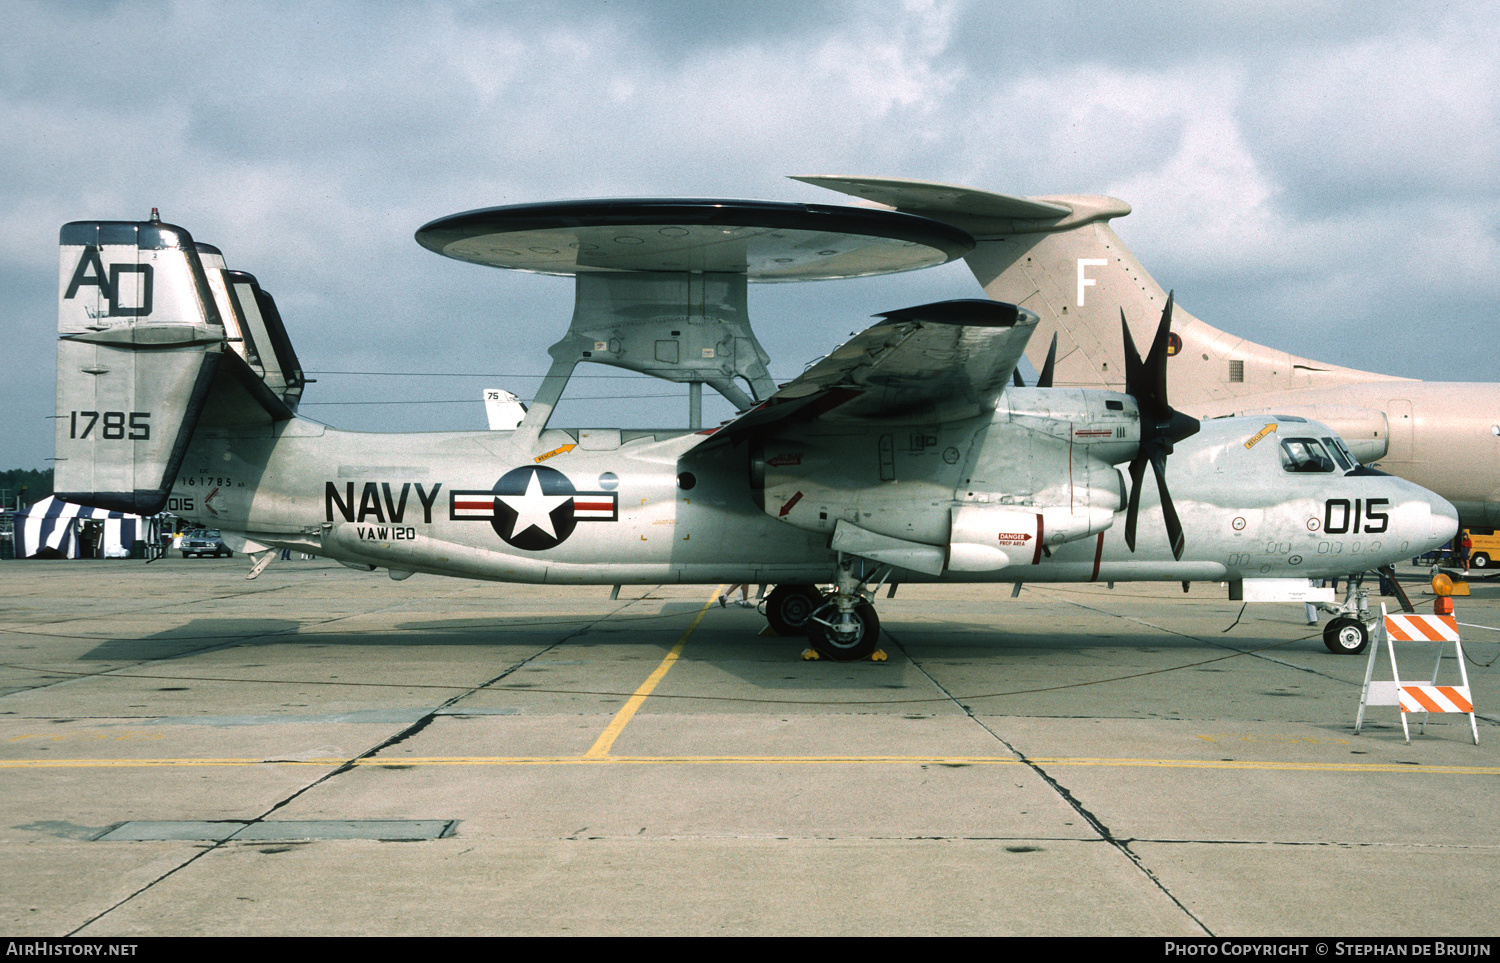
(1320,177)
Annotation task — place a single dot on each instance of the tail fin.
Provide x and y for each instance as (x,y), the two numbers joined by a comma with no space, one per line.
(140,340)
(1058,256)
(254,326)
(144,356)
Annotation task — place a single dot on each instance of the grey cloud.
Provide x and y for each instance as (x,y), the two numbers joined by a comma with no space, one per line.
(1302,162)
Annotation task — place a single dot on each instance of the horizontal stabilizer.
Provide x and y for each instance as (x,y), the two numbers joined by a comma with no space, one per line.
(981,213)
(935,200)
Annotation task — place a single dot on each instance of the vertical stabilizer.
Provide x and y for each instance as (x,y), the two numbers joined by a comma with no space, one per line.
(253,327)
(139,340)
(503,409)
(1080,277)
(1058,256)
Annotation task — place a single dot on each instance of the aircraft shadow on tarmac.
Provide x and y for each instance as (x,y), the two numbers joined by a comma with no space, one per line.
(729,640)
(197,635)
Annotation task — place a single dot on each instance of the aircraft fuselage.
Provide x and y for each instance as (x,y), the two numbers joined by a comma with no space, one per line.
(630,511)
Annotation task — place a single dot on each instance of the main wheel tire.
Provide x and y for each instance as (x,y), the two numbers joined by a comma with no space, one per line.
(1480,560)
(857,641)
(788,608)
(1346,636)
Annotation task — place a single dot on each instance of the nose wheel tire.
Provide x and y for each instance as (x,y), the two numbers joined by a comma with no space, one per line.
(789,607)
(845,637)
(1346,636)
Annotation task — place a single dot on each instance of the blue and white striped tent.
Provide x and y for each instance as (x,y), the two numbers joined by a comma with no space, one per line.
(53,523)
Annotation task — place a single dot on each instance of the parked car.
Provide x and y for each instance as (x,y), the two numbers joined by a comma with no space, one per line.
(204,541)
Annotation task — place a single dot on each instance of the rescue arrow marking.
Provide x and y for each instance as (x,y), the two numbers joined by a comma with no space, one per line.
(789,503)
(556,451)
(1259,435)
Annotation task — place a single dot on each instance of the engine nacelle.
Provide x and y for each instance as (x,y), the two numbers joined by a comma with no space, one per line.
(987,538)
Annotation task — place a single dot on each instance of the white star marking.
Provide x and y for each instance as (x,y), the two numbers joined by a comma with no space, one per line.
(533,509)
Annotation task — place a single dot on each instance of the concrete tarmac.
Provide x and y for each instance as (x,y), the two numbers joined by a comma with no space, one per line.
(322,751)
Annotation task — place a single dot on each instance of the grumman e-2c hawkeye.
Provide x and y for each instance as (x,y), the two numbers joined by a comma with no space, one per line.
(901,456)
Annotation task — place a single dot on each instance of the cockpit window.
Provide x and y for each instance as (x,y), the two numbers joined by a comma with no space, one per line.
(1335,448)
(1340,452)
(1305,455)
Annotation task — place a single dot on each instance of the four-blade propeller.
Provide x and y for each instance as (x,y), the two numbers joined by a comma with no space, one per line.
(1162,426)
(1043,380)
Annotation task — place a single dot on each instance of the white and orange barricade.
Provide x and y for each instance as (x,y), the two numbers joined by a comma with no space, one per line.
(1426,697)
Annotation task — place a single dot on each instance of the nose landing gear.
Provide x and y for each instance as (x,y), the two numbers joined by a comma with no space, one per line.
(1349,631)
(1346,636)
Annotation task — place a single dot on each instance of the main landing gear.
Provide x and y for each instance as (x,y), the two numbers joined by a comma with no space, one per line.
(789,608)
(840,624)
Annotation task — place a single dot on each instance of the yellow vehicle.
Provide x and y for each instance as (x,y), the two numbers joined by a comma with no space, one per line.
(1486,550)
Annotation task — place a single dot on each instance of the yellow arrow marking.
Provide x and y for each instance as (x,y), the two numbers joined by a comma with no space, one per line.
(1249,444)
(556,451)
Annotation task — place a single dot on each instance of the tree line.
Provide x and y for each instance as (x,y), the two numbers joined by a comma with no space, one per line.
(36,482)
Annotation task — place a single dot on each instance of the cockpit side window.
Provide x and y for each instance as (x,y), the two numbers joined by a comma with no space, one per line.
(1340,453)
(1305,455)
(1347,453)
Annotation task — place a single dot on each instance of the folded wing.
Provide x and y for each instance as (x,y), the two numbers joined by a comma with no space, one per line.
(934,363)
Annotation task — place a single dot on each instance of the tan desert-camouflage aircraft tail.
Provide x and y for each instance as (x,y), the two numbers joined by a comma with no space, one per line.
(1058,256)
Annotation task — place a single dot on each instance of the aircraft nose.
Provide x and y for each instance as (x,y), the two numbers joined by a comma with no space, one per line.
(1444,519)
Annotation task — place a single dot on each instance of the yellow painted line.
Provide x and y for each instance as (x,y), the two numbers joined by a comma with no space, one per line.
(606,740)
(1272,765)
(1246,764)
(149,763)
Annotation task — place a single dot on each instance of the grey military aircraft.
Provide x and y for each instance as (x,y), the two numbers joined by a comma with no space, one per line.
(1058,256)
(903,455)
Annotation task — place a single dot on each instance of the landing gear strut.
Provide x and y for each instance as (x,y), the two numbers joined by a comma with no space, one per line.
(845,636)
(1349,631)
(844,626)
